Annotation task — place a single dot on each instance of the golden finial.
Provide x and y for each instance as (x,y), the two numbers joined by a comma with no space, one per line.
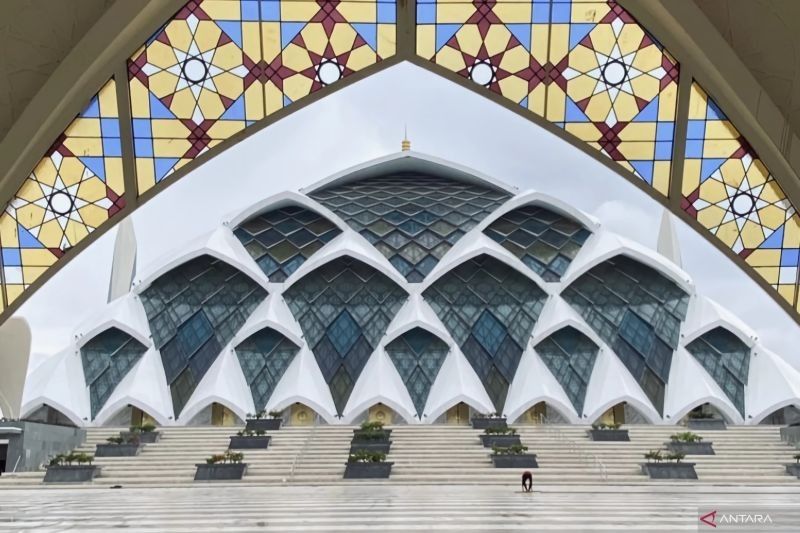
(406,144)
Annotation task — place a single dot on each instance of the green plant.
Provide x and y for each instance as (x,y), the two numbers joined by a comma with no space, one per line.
(371,426)
(654,456)
(686,436)
(115,440)
(58,460)
(370,434)
(260,433)
(258,415)
(699,415)
(675,456)
(275,414)
(796,457)
(516,449)
(365,456)
(246,433)
(603,426)
(227,457)
(500,431)
(143,428)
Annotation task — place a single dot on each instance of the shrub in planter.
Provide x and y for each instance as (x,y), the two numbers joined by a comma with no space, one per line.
(501,437)
(146,433)
(249,440)
(261,421)
(690,444)
(794,468)
(659,465)
(224,466)
(513,457)
(71,468)
(608,432)
(493,420)
(705,421)
(364,464)
(119,447)
(372,431)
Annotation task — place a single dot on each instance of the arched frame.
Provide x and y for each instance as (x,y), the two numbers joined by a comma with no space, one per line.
(122,30)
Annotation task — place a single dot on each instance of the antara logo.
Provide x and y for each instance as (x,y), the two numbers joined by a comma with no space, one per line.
(711,519)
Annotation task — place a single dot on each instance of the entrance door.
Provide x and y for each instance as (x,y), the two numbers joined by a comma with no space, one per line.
(615,415)
(536,414)
(301,415)
(458,415)
(139,417)
(222,416)
(380,413)
(3,454)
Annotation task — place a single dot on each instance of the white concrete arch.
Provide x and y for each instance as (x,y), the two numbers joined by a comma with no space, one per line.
(379,382)
(349,244)
(764,413)
(303,382)
(125,314)
(112,410)
(278,201)
(31,407)
(475,244)
(456,382)
(645,409)
(60,383)
(705,314)
(772,384)
(731,416)
(416,313)
(540,199)
(220,244)
(410,161)
(606,246)
(271,313)
(557,315)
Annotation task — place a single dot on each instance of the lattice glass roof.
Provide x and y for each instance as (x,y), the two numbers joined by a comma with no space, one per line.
(570,357)
(412,219)
(418,355)
(282,239)
(264,357)
(727,359)
(638,312)
(107,359)
(344,308)
(542,239)
(490,310)
(194,310)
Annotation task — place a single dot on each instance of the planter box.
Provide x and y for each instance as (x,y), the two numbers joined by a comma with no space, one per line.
(263,424)
(525,460)
(609,435)
(483,423)
(691,448)
(502,441)
(71,474)
(220,472)
(117,450)
(370,445)
(258,442)
(358,432)
(368,470)
(148,437)
(669,470)
(790,434)
(793,469)
(705,424)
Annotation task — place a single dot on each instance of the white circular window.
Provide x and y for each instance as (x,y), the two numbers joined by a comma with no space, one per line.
(481,73)
(329,72)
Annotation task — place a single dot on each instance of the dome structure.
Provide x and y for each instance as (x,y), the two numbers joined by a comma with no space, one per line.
(417,284)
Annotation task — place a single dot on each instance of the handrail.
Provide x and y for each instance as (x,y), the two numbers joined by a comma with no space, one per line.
(551,427)
(298,456)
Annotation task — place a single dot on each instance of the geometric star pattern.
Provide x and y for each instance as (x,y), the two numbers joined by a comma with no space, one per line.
(73,190)
(220,65)
(586,66)
(264,358)
(729,191)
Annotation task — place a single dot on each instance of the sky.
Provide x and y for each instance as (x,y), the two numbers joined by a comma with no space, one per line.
(364,121)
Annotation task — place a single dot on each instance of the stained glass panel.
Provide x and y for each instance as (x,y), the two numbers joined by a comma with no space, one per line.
(219,65)
(585,65)
(730,191)
(74,189)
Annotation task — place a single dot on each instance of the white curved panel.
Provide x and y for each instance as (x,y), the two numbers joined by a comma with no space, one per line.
(379,382)
(273,313)
(539,199)
(224,383)
(690,386)
(456,382)
(303,382)
(416,313)
(534,383)
(704,314)
(59,383)
(772,384)
(125,313)
(556,315)
(283,199)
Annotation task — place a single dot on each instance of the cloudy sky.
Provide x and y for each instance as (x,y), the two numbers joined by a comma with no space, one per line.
(365,121)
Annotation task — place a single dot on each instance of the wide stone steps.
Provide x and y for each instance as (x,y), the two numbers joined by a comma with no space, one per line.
(438,455)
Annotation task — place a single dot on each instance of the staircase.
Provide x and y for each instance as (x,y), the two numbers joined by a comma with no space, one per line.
(752,455)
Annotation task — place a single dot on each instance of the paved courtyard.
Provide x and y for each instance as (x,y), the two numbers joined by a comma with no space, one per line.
(374,507)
